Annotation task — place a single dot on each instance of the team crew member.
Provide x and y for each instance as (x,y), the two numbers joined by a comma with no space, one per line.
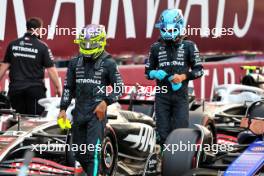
(26,58)
(169,63)
(87,77)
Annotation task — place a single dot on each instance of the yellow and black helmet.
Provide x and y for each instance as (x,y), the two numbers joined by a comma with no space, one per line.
(92,40)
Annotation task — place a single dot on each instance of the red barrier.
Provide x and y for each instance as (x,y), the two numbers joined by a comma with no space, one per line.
(215,74)
(130,24)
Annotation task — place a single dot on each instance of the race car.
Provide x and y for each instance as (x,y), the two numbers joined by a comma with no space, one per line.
(230,101)
(130,136)
(225,111)
(121,153)
(129,144)
(229,105)
(192,151)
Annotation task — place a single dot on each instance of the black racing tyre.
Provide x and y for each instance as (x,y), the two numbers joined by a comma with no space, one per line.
(197,117)
(181,161)
(109,157)
(70,159)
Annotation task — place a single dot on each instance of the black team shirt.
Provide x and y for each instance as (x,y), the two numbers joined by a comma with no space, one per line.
(28,57)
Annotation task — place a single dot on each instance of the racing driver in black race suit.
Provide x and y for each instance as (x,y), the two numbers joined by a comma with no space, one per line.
(87,77)
(169,63)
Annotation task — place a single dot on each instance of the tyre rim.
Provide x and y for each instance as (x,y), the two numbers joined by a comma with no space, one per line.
(108,154)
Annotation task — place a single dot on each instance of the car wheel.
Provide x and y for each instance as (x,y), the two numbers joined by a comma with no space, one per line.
(178,162)
(109,157)
(197,117)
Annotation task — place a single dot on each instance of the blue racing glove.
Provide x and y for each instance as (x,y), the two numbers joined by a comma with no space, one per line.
(157,74)
(175,86)
(152,74)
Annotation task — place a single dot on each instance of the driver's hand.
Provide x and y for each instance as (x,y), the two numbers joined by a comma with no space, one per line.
(62,115)
(100,110)
(63,122)
(178,78)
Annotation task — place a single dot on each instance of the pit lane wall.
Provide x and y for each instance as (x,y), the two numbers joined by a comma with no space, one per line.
(214,74)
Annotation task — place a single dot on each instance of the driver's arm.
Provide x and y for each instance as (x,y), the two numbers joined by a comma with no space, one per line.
(151,63)
(69,87)
(6,64)
(3,68)
(53,74)
(195,63)
(116,81)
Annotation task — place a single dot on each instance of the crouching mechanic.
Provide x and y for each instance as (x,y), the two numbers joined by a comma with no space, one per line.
(87,77)
(169,63)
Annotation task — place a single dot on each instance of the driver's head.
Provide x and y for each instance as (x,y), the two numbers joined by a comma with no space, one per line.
(171,24)
(92,41)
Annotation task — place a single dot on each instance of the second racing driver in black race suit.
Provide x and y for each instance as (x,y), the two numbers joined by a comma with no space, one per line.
(172,62)
(87,77)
